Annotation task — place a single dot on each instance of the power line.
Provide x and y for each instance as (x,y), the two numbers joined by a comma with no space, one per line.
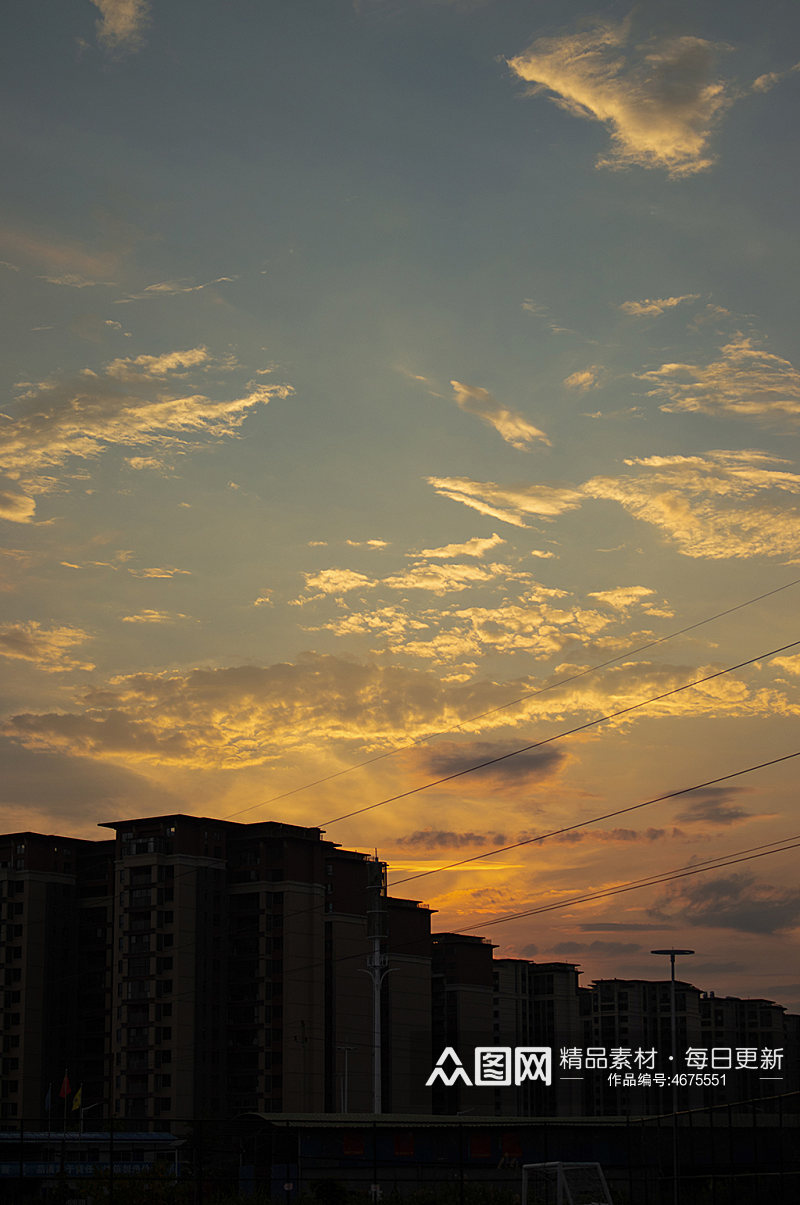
(513,702)
(492,761)
(637,884)
(557,832)
(747,854)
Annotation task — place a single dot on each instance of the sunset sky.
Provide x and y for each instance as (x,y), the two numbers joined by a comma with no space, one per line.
(374,368)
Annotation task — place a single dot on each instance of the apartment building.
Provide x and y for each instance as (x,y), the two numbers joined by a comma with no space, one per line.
(537,1004)
(193,968)
(55,910)
(196,968)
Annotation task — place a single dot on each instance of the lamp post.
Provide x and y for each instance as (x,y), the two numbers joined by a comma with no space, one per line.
(673,1017)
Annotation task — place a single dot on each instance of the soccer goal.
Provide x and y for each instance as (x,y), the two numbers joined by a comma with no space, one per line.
(564,1184)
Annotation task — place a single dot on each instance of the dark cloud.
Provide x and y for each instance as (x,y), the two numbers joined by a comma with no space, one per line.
(597,947)
(736,902)
(444,839)
(613,926)
(712,805)
(613,835)
(450,758)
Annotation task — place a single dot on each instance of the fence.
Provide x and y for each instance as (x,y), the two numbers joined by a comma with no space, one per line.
(731,1154)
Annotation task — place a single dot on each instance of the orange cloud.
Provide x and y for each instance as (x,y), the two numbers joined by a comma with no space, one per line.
(46,648)
(659,101)
(510,424)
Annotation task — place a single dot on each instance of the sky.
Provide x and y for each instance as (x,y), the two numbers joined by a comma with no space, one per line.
(391,386)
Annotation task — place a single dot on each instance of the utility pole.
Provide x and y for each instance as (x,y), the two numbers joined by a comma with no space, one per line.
(377,966)
(673,1017)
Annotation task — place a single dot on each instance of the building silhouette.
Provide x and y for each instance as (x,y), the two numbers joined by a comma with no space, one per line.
(199,968)
(193,968)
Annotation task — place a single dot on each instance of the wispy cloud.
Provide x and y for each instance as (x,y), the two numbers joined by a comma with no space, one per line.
(513,503)
(622,597)
(49,649)
(746,381)
(122,23)
(653,307)
(447,578)
(72,280)
(718,506)
(135,368)
(60,258)
(154,617)
(16,507)
(132,402)
(474,547)
(158,571)
(724,504)
(510,424)
(173,288)
(660,101)
(584,378)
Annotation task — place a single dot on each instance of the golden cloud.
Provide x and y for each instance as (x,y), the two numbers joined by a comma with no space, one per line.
(584,379)
(122,23)
(542,622)
(249,715)
(622,597)
(130,403)
(653,307)
(659,101)
(158,571)
(474,547)
(48,649)
(709,506)
(746,381)
(16,507)
(510,424)
(153,617)
(513,503)
(724,504)
(422,575)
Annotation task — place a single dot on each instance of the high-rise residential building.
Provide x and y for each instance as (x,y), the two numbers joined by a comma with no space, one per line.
(197,968)
(537,1004)
(192,968)
(55,910)
(463,1002)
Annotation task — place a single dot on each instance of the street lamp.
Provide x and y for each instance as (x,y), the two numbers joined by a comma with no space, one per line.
(673,1017)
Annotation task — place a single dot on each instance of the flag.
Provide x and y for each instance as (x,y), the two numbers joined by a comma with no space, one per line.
(48,1100)
(65,1088)
(76,1100)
